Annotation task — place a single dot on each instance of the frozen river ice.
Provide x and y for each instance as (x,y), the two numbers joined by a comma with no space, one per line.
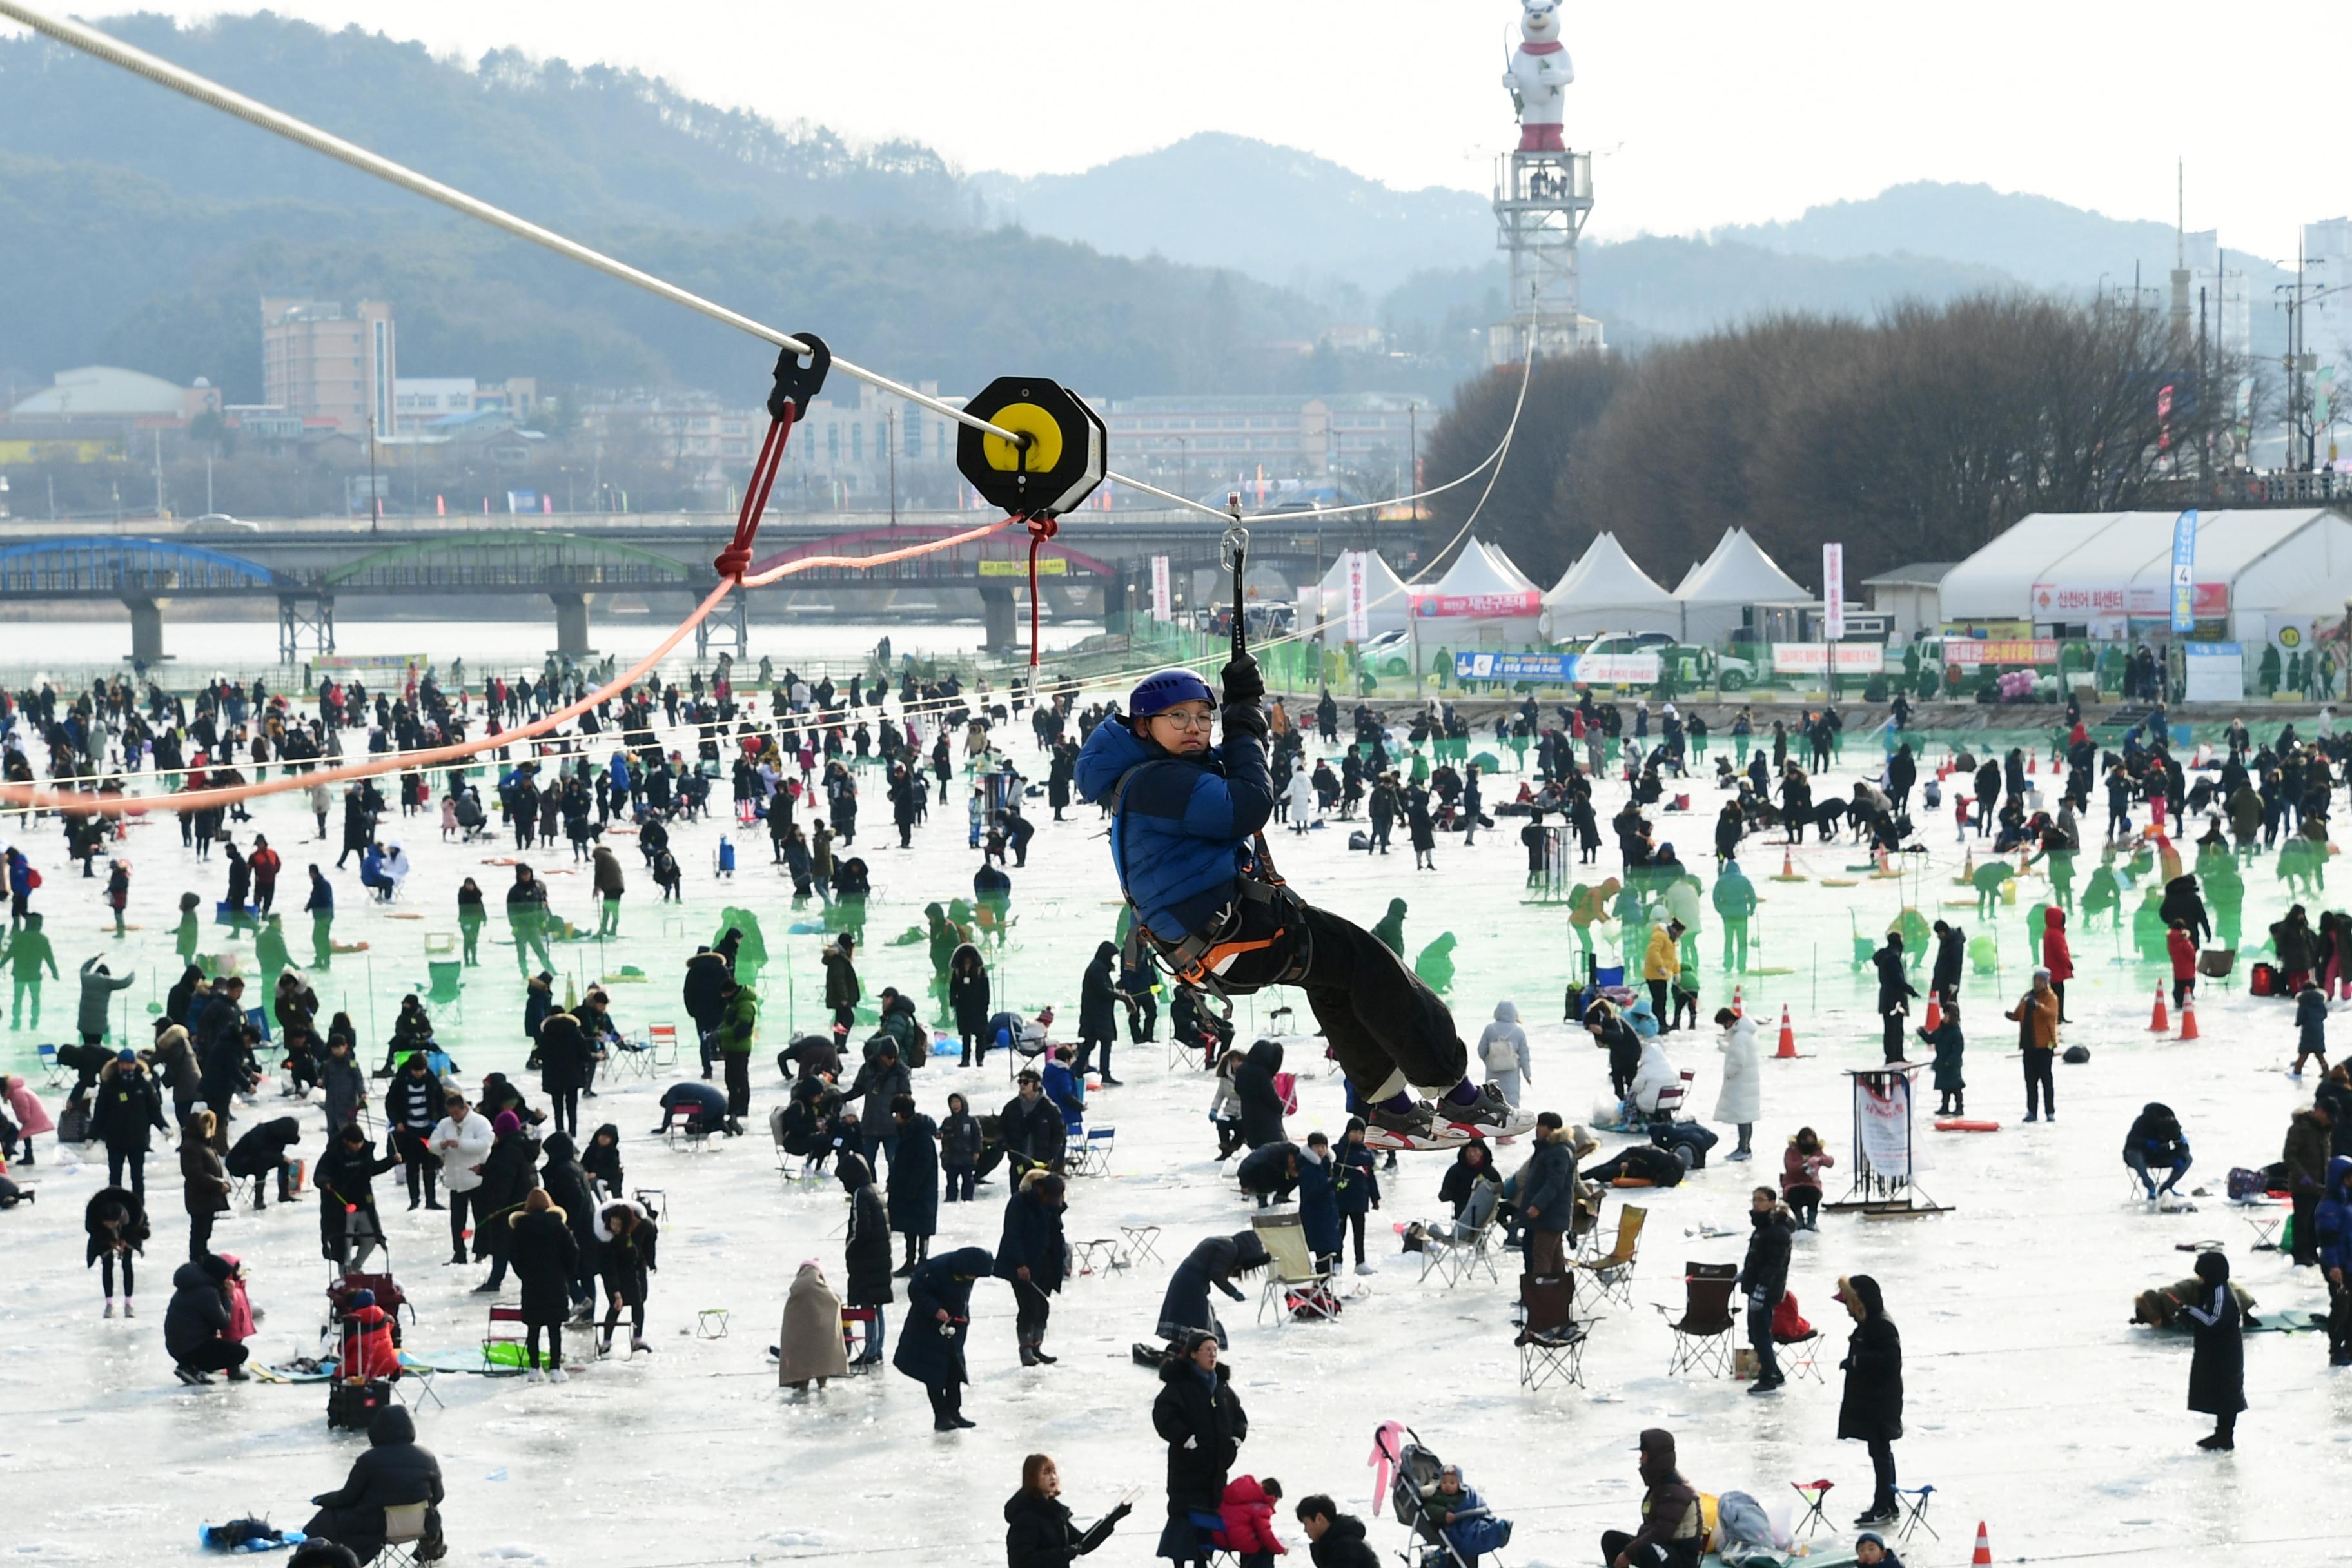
(2031,1404)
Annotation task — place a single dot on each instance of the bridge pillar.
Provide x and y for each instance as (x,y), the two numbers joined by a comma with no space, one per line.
(571,626)
(999,615)
(146,631)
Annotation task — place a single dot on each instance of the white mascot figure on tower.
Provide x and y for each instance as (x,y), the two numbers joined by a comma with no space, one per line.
(1540,76)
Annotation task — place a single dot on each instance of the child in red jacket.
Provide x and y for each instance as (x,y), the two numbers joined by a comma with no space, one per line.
(2183,949)
(1248,1513)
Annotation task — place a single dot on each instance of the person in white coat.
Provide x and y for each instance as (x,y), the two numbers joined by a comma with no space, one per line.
(1742,1099)
(1299,799)
(462,1139)
(1653,1077)
(1504,1050)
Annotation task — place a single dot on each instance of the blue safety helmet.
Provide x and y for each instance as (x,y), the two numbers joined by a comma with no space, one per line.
(1164,688)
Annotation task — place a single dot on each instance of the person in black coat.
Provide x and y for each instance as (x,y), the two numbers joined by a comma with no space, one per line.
(508,1177)
(196,1325)
(568,1187)
(1031,1256)
(1871,1409)
(1201,1418)
(1951,947)
(116,1222)
(1099,1010)
(564,1056)
(2217,1368)
(968,999)
(1894,991)
(866,1258)
(914,1184)
(1547,1200)
(962,1142)
(602,1158)
(349,1227)
(939,1319)
(1038,1530)
(1473,1163)
(545,1256)
(1215,1263)
(1031,1128)
(1260,1101)
(394,1471)
(706,976)
(1764,1276)
(126,1107)
(1269,1174)
(263,1151)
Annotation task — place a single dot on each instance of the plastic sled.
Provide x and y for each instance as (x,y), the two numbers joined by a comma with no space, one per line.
(1965,1124)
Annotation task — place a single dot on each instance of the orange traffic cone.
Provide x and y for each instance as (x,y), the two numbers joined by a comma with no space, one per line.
(1787,1051)
(2162,1022)
(1935,1019)
(2034,762)
(1737,1010)
(1983,1558)
(2188,1018)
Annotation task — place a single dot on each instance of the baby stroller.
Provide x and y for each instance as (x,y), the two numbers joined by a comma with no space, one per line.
(1418,1490)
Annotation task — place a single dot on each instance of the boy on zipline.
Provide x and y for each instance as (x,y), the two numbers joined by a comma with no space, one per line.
(1185,820)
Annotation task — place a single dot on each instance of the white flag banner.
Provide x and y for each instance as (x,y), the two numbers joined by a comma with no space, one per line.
(1360,610)
(1882,1121)
(1163,609)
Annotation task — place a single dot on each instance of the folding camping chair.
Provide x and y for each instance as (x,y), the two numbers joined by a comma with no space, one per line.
(1913,1503)
(1088,1154)
(1670,1100)
(1142,1242)
(856,1334)
(1295,1286)
(507,1329)
(632,1059)
(1455,1248)
(661,1045)
(53,1071)
(1815,1494)
(1800,1356)
(687,1124)
(405,1527)
(1551,1342)
(1612,1273)
(1703,1335)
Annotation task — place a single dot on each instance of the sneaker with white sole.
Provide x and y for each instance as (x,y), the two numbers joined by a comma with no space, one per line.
(636,1343)
(110,1306)
(1366,1268)
(1489,1115)
(534,1376)
(557,1374)
(129,1310)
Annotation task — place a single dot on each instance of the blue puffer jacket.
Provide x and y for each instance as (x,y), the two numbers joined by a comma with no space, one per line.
(2335,1216)
(1181,835)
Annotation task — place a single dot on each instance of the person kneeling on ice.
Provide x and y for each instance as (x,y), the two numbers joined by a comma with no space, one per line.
(1185,1309)
(1186,844)
(1673,1526)
(394,1472)
(707,1104)
(2155,1141)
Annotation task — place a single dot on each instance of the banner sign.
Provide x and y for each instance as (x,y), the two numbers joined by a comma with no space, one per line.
(2216,671)
(401,664)
(2184,570)
(1552,669)
(2083,600)
(1477,606)
(1814,659)
(1615,669)
(1834,593)
(1163,607)
(1360,609)
(1048,566)
(1971,651)
(1882,1124)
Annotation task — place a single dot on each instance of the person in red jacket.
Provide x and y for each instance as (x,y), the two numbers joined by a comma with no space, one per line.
(2057,958)
(2183,949)
(1248,1512)
(367,1340)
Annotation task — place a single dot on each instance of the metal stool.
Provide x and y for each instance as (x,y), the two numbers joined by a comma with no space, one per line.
(1141,1241)
(1915,1510)
(1815,1494)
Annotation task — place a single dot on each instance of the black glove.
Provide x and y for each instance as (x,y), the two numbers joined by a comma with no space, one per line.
(1245,719)
(1242,681)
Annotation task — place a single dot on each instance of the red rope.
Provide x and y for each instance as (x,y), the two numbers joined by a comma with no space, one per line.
(1041,529)
(736,559)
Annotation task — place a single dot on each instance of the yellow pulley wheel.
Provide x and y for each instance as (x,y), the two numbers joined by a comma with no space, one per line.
(1056,465)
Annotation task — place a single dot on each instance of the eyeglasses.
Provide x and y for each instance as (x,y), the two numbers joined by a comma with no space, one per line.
(1185,718)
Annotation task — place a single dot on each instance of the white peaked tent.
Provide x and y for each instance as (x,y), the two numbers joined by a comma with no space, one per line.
(1468,604)
(1384,591)
(1495,553)
(1605,592)
(1737,577)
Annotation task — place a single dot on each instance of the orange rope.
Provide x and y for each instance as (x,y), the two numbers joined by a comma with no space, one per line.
(38,797)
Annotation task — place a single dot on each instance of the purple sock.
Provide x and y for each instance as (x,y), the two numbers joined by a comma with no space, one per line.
(1463,1093)
(1400,1102)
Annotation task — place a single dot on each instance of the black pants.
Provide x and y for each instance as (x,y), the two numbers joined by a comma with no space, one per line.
(554,1343)
(1882,1469)
(200,1235)
(1356,1229)
(2306,1227)
(2339,1319)
(961,1181)
(1660,1008)
(116,1159)
(1144,1019)
(946,1401)
(1033,1309)
(1381,1022)
(739,1084)
(214,1355)
(458,1204)
(2037,1072)
(1891,1041)
(708,1035)
(1671,1554)
(2058,989)
(612,1316)
(422,1165)
(564,1104)
(1805,1203)
(106,1261)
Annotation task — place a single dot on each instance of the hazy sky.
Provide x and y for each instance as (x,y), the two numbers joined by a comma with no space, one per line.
(1707,112)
